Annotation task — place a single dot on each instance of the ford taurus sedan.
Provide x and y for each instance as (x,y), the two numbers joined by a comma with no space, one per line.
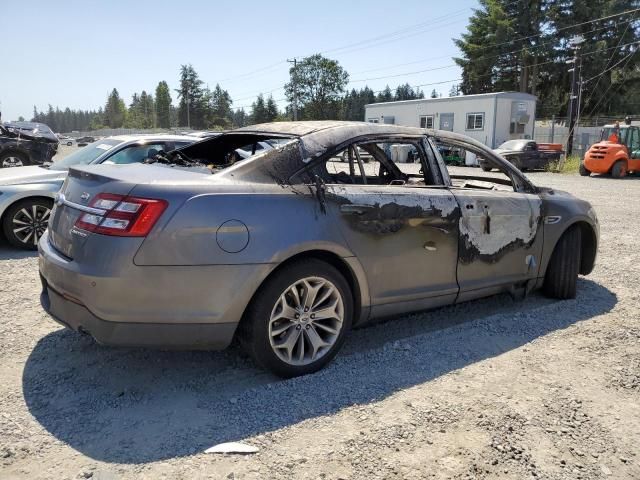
(290,249)
(26,193)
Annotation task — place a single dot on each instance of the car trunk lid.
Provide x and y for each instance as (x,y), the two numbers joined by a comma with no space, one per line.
(73,201)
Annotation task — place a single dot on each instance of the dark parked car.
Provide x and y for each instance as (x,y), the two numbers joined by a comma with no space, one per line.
(526,154)
(83,141)
(289,249)
(26,143)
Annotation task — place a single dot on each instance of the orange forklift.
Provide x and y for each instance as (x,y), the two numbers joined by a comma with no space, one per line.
(617,153)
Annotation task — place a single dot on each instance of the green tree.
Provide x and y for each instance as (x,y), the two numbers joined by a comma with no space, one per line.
(406,92)
(318,84)
(271,109)
(147,110)
(354,102)
(219,112)
(503,49)
(114,110)
(163,105)
(385,95)
(259,111)
(193,105)
(240,118)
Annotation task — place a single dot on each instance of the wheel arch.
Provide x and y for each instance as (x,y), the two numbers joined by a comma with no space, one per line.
(355,279)
(589,245)
(16,151)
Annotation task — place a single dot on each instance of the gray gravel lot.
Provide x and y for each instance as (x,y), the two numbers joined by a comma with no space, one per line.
(488,389)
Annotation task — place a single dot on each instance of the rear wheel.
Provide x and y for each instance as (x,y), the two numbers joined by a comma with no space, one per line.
(25,221)
(12,159)
(619,169)
(298,320)
(583,170)
(561,278)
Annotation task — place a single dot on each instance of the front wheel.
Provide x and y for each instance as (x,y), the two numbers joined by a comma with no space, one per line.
(298,320)
(561,278)
(26,221)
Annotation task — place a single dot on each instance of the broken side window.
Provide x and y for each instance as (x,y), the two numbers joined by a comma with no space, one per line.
(391,162)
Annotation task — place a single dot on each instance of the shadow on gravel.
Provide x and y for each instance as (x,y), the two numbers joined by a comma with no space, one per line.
(11,253)
(138,406)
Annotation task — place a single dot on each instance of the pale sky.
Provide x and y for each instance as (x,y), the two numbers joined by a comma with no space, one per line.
(72,53)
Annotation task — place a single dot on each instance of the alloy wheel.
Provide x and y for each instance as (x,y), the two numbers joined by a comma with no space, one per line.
(306,321)
(29,223)
(12,162)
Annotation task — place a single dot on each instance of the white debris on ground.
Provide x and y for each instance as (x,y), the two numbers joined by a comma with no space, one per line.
(232,447)
(488,389)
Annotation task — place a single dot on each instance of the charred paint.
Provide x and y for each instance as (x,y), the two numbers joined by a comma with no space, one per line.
(388,213)
(488,237)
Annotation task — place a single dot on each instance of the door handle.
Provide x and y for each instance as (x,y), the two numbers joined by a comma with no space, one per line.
(354,209)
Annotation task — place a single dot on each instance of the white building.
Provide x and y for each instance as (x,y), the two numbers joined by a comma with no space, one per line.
(491,118)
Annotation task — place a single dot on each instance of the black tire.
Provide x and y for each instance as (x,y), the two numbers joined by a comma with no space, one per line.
(15,213)
(619,169)
(254,330)
(561,278)
(5,159)
(485,168)
(583,170)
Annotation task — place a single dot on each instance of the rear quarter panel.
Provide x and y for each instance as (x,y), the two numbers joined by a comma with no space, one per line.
(212,228)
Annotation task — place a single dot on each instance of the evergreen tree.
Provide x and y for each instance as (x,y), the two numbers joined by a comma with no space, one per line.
(505,50)
(193,106)
(385,95)
(163,105)
(240,118)
(220,113)
(259,111)
(114,110)
(271,109)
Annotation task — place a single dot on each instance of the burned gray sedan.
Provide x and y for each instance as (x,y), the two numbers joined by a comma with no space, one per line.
(288,250)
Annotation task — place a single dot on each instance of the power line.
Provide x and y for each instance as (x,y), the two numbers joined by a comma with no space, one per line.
(398,32)
(610,85)
(485,48)
(593,52)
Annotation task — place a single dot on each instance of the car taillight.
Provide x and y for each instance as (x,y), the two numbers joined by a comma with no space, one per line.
(123,216)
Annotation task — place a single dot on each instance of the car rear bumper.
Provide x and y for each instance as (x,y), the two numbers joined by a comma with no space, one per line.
(120,303)
(77,317)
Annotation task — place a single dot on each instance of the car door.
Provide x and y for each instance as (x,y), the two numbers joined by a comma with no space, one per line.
(404,233)
(500,235)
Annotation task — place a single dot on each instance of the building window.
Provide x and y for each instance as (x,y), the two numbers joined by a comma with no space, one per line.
(373,120)
(426,121)
(475,121)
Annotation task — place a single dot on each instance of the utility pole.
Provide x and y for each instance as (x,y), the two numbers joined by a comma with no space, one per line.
(295,88)
(575,45)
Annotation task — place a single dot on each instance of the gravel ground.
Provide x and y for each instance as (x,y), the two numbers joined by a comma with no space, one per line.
(487,389)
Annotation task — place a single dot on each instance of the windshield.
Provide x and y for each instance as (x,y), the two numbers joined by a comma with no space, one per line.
(86,154)
(621,132)
(513,145)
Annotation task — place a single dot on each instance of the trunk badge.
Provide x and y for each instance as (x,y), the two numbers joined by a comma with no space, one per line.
(85,196)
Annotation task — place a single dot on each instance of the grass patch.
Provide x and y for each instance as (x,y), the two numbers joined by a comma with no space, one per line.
(569,165)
